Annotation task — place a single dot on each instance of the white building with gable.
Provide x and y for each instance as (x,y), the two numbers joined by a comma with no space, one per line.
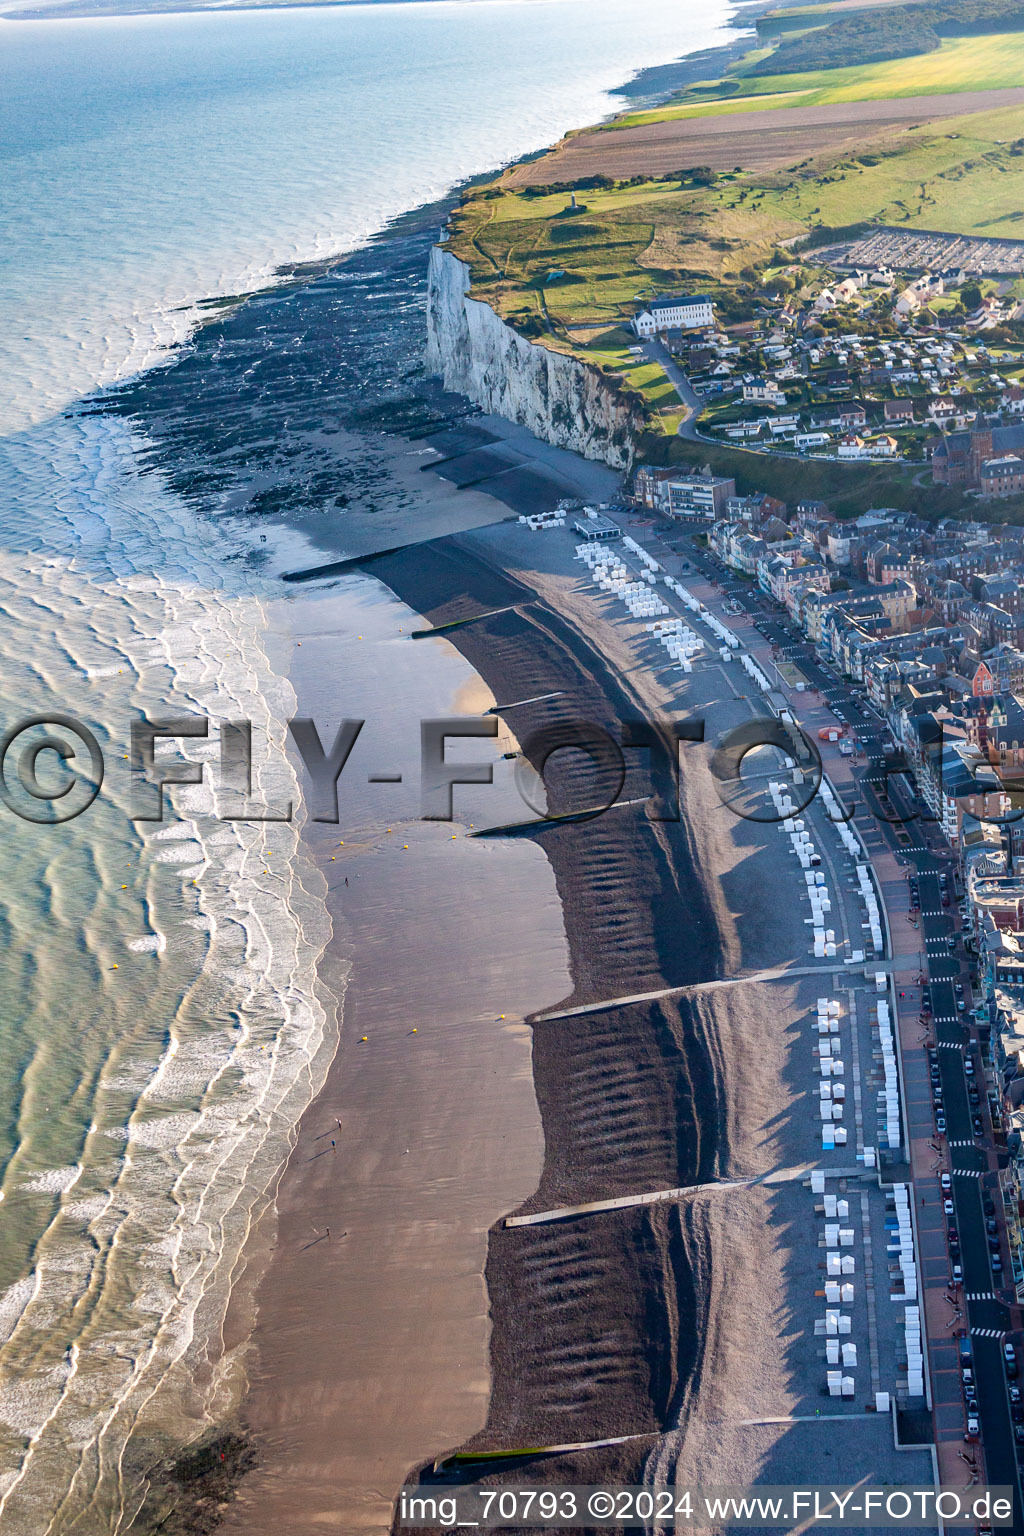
(674,312)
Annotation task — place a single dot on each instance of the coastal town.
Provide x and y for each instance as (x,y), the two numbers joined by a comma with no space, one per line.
(877,365)
(909,634)
(814,386)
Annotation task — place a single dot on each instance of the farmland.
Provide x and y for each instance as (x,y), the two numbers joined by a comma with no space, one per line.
(994,62)
(755,141)
(962,175)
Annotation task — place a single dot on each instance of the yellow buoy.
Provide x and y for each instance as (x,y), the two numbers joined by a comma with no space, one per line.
(124,887)
(415,1031)
(114,967)
(363,1039)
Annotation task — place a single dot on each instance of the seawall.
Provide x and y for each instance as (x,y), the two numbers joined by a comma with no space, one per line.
(560,399)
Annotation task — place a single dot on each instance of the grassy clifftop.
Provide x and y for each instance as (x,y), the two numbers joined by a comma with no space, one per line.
(538,264)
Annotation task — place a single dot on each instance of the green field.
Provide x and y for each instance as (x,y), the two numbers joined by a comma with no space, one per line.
(632,242)
(569,280)
(987,63)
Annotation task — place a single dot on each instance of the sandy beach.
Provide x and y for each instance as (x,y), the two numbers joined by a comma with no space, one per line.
(423,1323)
(655,1096)
(371,1343)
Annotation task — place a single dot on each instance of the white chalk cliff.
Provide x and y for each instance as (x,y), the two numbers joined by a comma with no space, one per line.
(560,399)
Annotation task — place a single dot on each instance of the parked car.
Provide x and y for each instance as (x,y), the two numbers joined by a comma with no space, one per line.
(1010,1360)
(979,1129)
(988,1205)
(940,1124)
(947,1206)
(945,1183)
(973,1427)
(968,1062)
(956,1272)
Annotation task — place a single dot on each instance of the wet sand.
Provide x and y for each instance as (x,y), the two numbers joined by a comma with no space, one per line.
(371,1344)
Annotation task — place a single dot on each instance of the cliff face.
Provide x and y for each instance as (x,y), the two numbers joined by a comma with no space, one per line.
(558,398)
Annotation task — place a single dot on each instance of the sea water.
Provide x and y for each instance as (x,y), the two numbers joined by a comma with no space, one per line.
(162,1025)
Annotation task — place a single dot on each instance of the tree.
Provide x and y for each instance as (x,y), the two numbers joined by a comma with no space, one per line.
(970,296)
(700,175)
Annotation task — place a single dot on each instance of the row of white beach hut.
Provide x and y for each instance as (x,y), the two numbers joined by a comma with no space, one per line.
(539,520)
(832,1070)
(912,1310)
(611,575)
(681,642)
(889,1095)
(837,1238)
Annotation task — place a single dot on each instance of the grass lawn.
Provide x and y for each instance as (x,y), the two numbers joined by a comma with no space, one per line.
(610,351)
(960,64)
(633,242)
